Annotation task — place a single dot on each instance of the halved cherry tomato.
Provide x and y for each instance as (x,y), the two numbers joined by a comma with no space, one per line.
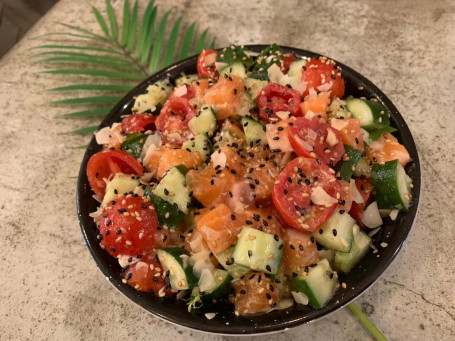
(315,138)
(102,164)
(128,226)
(206,64)
(293,189)
(138,123)
(274,98)
(173,121)
(286,62)
(146,275)
(320,73)
(366,191)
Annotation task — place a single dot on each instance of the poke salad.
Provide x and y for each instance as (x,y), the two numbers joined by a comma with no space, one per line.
(256,181)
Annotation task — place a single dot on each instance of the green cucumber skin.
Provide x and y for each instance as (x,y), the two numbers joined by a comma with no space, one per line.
(236,69)
(235,270)
(260,68)
(345,261)
(188,79)
(254,131)
(200,142)
(379,119)
(385,186)
(162,207)
(304,287)
(133,145)
(220,291)
(176,252)
(345,167)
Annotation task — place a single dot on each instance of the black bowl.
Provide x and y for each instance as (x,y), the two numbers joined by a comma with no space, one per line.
(359,278)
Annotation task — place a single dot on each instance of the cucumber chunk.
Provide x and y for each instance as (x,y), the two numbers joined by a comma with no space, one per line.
(372,115)
(258,250)
(227,262)
(336,232)
(347,167)
(233,54)
(188,79)
(120,184)
(216,284)
(173,189)
(167,214)
(391,185)
(254,131)
(345,261)
(203,122)
(200,143)
(225,138)
(154,98)
(362,168)
(236,69)
(296,68)
(133,144)
(180,275)
(318,285)
(254,86)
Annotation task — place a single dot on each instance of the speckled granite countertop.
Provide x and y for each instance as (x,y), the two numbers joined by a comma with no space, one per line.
(51,288)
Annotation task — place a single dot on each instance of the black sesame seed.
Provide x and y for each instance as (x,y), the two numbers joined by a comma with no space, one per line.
(334,231)
(250,253)
(292,247)
(275,236)
(113,249)
(248,222)
(232,217)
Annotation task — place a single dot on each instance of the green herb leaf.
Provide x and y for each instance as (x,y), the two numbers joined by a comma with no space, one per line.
(145,29)
(212,45)
(89,100)
(169,56)
(112,20)
(187,42)
(101,21)
(126,22)
(158,43)
(376,134)
(132,28)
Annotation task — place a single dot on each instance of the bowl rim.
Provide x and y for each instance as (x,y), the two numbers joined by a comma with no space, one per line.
(186,321)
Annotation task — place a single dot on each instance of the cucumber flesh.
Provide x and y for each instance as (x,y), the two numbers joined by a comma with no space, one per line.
(188,79)
(296,68)
(120,184)
(372,115)
(258,250)
(200,143)
(236,69)
(221,285)
(255,131)
(173,189)
(336,232)
(345,261)
(254,86)
(225,138)
(180,276)
(391,185)
(227,262)
(319,284)
(155,97)
(203,122)
(362,168)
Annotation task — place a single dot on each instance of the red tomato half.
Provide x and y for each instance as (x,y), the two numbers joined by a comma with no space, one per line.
(293,189)
(319,72)
(146,275)
(128,226)
(286,62)
(138,123)
(366,190)
(274,98)
(315,138)
(206,64)
(173,119)
(102,164)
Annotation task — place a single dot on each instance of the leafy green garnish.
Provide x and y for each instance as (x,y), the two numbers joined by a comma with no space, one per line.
(270,55)
(234,54)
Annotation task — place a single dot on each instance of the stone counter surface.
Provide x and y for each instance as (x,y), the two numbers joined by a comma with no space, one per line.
(51,288)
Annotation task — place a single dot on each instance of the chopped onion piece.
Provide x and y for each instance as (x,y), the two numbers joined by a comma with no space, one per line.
(300,297)
(325,87)
(305,145)
(312,134)
(206,281)
(355,194)
(219,66)
(371,216)
(331,138)
(210,316)
(310,115)
(393,214)
(180,91)
(320,197)
(283,114)
(366,138)
(338,124)
(102,136)
(218,159)
(210,59)
(274,73)
(153,139)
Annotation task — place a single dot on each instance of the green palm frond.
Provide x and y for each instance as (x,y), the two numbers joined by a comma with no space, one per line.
(124,50)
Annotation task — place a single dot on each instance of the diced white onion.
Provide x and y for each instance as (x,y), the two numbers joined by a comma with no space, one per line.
(283,114)
(206,281)
(338,124)
(251,53)
(201,261)
(210,234)
(218,159)
(300,297)
(210,59)
(219,66)
(393,214)
(325,87)
(124,260)
(312,134)
(185,260)
(274,73)
(310,115)
(154,140)
(355,194)
(331,138)
(180,91)
(370,142)
(305,145)
(371,216)
(210,316)
(295,82)
(102,136)
(320,197)
(97,213)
